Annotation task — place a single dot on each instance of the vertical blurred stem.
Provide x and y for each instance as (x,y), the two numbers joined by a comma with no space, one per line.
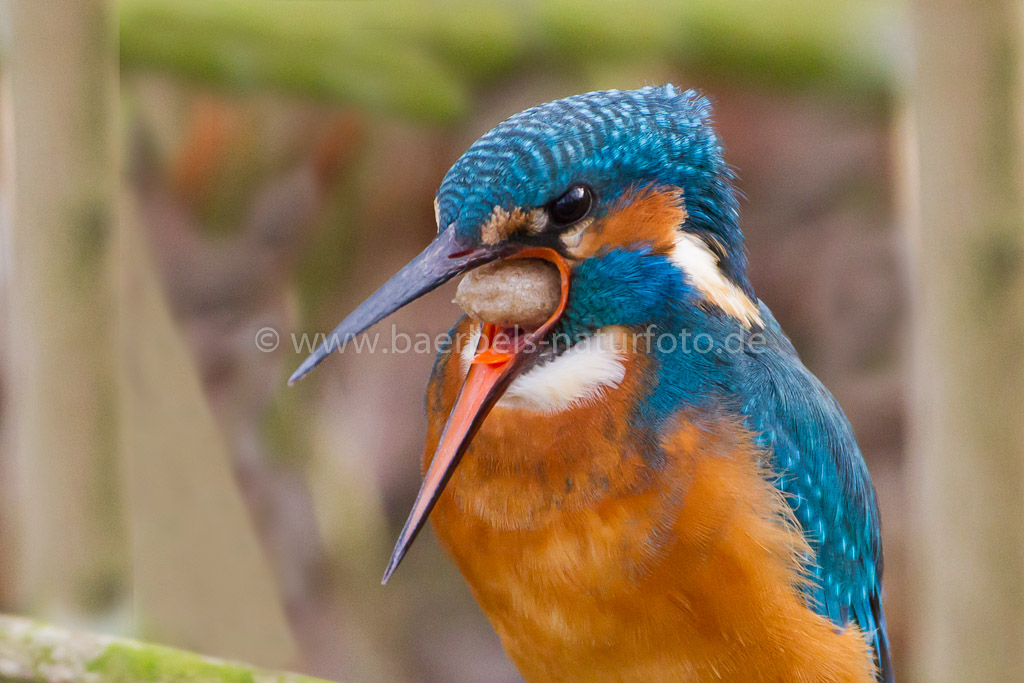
(967,465)
(201,580)
(60,78)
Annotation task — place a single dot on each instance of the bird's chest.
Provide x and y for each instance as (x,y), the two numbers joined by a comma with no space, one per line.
(595,563)
(600,552)
(555,519)
(557,533)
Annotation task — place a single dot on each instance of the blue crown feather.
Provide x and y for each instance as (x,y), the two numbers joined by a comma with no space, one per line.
(613,140)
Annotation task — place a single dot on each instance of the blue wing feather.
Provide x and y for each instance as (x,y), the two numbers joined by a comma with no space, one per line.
(798,422)
(820,468)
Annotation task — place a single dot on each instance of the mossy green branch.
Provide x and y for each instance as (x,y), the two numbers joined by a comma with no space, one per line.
(422,60)
(301,48)
(33,651)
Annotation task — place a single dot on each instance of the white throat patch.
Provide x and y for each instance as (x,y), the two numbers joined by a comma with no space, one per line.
(694,258)
(577,377)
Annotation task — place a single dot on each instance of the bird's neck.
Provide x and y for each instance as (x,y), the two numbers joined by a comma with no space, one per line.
(523,469)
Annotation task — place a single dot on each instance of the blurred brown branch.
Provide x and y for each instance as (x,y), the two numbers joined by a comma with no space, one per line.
(61,185)
(967,455)
(159,538)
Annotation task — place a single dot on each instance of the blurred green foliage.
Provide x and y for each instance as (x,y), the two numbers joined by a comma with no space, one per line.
(307,48)
(422,59)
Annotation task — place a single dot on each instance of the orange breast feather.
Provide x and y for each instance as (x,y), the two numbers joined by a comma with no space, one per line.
(602,554)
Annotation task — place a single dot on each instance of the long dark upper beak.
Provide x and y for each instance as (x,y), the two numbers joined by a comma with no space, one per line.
(445,258)
(499,357)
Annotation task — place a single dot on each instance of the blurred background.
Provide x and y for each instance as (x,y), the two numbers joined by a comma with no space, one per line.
(180,175)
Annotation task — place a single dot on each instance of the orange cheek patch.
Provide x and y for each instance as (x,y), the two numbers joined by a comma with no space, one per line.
(647,216)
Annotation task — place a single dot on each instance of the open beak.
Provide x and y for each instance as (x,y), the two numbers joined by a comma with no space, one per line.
(500,355)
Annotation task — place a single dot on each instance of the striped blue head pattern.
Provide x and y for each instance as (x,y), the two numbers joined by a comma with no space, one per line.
(612,141)
(623,193)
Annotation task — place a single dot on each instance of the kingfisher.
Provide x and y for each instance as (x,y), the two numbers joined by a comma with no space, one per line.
(638,479)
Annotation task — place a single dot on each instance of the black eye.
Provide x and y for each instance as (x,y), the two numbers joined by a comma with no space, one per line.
(571,206)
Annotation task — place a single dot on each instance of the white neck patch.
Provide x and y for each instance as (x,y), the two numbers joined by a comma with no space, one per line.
(577,377)
(694,258)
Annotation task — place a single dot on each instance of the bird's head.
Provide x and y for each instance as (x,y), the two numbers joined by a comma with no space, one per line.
(626,193)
